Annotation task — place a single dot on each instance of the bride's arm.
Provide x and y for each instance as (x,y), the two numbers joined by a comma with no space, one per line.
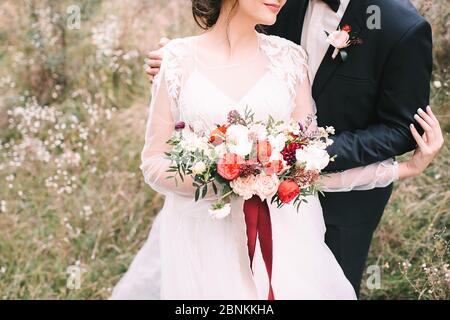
(160,127)
(380,174)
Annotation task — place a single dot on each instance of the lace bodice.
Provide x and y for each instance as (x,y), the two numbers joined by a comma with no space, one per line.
(272,82)
(201,94)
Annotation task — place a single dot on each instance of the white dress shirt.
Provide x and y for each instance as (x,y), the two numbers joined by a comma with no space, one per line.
(319,18)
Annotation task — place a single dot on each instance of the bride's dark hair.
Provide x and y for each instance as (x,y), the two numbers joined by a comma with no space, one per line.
(207,12)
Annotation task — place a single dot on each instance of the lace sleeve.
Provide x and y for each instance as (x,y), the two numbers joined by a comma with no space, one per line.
(160,127)
(304,105)
(377,175)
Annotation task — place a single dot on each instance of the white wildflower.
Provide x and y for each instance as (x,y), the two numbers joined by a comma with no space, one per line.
(220,211)
(3,207)
(199,168)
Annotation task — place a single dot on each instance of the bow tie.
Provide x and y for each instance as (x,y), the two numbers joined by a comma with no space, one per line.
(334,4)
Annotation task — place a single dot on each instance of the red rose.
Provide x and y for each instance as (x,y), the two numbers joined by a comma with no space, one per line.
(288,191)
(229,167)
(347,28)
(264,151)
(273,167)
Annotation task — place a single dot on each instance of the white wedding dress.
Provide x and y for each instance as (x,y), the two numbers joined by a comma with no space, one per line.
(188,254)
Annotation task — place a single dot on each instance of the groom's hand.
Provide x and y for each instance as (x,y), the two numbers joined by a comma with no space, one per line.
(154,58)
(429,144)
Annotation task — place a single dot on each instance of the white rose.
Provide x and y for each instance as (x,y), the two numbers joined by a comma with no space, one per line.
(278,142)
(199,168)
(266,186)
(238,141)
(244,187)
(314,157)
(192,142)
(220,213)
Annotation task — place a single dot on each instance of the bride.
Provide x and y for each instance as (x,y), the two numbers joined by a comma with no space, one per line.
(191,256)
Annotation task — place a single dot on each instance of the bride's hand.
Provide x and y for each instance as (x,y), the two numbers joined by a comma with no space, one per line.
(428,145)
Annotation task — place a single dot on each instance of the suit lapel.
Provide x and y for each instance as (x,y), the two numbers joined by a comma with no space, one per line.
(354,16)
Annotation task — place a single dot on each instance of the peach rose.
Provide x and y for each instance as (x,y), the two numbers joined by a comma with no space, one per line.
(266,185)
(229,167)
(244,187)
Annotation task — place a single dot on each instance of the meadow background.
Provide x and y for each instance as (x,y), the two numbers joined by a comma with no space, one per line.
(73,104)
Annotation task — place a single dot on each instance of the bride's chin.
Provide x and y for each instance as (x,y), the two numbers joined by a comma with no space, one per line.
(271,23)
(268,21)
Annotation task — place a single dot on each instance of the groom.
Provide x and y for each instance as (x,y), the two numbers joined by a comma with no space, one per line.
(370,99)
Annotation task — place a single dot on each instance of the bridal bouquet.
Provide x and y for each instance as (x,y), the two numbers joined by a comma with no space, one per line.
(273,160)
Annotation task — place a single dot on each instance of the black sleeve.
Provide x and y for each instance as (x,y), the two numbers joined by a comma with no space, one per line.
(404,87)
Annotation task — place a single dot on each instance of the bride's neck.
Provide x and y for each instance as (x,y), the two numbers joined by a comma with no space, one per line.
(235,33)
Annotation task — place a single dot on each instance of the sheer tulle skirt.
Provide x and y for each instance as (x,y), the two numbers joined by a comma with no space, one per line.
(190,256)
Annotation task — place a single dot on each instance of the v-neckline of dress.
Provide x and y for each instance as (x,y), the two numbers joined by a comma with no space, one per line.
(233,100)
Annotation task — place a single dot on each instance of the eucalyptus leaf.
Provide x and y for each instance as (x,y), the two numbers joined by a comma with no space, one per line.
(197,194)
(205,191)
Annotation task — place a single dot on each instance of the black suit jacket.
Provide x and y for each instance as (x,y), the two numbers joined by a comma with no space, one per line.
(371,98)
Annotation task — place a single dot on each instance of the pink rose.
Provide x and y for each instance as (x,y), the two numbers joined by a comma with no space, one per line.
(244,187)
(339,39)
(266,185)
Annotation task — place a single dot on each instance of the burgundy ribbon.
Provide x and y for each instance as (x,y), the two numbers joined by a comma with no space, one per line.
(257,220)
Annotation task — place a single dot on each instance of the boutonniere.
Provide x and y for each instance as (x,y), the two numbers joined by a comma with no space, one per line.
(342,39)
